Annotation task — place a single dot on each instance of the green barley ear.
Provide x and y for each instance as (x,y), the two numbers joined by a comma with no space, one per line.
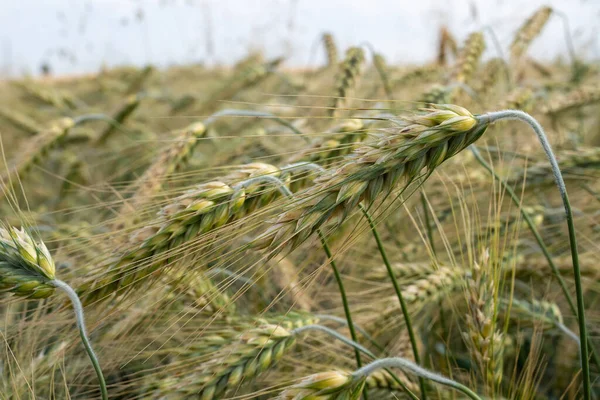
(167,162)
(391,159)
(121,114)
(256,351)
(26,267)
(331,385)
(382,69)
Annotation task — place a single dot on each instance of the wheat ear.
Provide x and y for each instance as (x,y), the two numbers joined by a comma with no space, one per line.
(27,269)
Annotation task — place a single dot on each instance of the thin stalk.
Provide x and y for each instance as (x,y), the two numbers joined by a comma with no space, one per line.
(407,366)
(432,245)
(325,317)
(83,332)
(403,306)
(560,183)
(538,239)
(427,222)
(342,290)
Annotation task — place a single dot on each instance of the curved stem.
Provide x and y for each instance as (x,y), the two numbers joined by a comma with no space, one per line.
(405,365)
(353,344)
(560,183)
(83,332)
(331,332)
(405,313)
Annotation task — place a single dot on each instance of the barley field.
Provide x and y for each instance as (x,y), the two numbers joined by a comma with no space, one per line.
(356,230)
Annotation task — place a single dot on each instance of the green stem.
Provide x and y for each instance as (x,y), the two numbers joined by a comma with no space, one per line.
(428,223)
(403,306)
(342,290)
(83,332)
(539,131)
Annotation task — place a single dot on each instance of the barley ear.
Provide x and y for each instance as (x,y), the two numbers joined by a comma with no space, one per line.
(27,269)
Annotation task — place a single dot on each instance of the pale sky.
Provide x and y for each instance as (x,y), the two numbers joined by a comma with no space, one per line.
(77,36)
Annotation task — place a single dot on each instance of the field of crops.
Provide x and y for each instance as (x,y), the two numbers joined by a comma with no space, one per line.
(357,230)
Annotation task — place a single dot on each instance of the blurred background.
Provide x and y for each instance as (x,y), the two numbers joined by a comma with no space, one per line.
(74,36)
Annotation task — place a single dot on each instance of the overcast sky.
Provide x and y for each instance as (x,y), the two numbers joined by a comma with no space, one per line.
(76,36)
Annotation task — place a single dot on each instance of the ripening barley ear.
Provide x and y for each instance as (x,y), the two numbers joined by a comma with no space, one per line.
(330,49)
(255,352)
(121,114)
(332,385)
(27,269)
(385,161)
(468,58)
(483,339)
(530,29)
(350,71)
(199,211)
(36,150)
(50,96)
(20,121)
